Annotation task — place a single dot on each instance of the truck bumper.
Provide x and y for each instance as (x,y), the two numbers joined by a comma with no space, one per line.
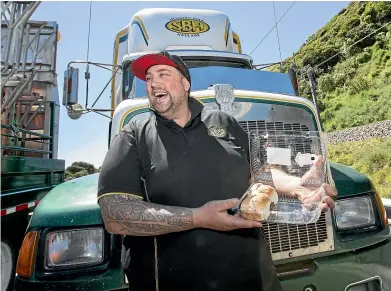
(41,286)
(370,268)
(331,273)
(112,280)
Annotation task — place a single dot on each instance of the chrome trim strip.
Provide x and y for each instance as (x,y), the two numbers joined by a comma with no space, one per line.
(378,278)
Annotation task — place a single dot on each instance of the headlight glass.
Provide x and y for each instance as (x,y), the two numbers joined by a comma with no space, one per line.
(354,213)
(74,248)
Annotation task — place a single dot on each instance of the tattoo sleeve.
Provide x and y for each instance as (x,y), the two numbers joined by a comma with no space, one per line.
(129,215)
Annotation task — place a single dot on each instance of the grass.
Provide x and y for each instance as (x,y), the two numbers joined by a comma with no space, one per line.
(371,157)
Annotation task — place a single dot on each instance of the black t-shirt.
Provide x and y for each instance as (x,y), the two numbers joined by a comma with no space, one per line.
(188,167)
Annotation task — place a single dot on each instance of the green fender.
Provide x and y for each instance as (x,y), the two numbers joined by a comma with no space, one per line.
(74,203)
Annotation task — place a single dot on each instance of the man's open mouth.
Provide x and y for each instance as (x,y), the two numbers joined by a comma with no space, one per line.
(160,94)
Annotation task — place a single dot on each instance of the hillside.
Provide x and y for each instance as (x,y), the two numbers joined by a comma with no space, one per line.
(353,88)
(371,157)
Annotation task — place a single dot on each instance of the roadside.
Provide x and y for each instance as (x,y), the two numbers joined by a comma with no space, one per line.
(380,129)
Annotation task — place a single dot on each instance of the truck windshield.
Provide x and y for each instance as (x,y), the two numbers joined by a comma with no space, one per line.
(244,109)
(239,78)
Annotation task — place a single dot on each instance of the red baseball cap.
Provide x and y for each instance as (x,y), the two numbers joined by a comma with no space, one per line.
(141,65)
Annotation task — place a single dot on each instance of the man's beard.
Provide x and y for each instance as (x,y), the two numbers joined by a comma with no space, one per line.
(165,108)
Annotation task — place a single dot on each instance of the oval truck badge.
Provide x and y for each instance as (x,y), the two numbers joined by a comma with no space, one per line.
(185,26)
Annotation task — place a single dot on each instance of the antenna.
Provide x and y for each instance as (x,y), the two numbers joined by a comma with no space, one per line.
(271,29)
(87,74)
(278,37)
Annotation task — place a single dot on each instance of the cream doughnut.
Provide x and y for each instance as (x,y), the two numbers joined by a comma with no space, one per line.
(256,206)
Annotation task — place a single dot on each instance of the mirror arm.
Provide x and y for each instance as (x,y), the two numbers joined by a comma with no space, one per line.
(70,90)
(107,84)
(99,109)
(107,68)
(95,111)
(93,63)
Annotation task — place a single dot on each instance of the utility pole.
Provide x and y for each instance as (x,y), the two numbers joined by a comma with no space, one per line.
(311,78)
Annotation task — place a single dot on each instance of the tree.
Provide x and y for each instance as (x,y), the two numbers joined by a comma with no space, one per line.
(79,169)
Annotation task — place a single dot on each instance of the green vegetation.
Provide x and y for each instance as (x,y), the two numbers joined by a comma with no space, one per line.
(371,157)
(79,169)
(354,88)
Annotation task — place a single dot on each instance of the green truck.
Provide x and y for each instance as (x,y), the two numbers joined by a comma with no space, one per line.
(66,246)
(29,125)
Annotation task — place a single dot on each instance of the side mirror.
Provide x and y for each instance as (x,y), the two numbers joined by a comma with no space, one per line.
(71,86)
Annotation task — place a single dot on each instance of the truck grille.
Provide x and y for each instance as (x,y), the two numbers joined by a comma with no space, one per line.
(272,126)
(288,237)
(290,240)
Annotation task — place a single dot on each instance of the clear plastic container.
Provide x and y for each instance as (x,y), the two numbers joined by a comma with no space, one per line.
(291,213)
(293,164)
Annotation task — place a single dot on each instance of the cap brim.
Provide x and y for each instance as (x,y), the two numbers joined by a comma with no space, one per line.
(140,66)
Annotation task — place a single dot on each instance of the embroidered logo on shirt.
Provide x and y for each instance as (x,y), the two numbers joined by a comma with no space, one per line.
(217,131)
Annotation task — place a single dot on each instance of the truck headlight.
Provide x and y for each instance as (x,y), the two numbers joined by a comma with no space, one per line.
(354,213)
(72,248)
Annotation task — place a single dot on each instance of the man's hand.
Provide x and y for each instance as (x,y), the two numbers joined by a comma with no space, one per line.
(322,196)
(213,215)
(313,178)
(311,192)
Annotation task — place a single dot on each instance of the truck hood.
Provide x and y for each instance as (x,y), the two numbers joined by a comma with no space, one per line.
(349,181)
(72,203)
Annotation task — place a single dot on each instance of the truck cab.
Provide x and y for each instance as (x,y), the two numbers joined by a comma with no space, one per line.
(346,249)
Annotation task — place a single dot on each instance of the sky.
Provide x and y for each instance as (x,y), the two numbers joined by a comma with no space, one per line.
(86,139)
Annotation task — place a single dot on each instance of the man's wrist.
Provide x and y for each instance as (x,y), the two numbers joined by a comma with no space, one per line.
(197,218)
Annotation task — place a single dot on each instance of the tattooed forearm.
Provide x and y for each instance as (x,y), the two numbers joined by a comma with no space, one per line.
(131,216)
